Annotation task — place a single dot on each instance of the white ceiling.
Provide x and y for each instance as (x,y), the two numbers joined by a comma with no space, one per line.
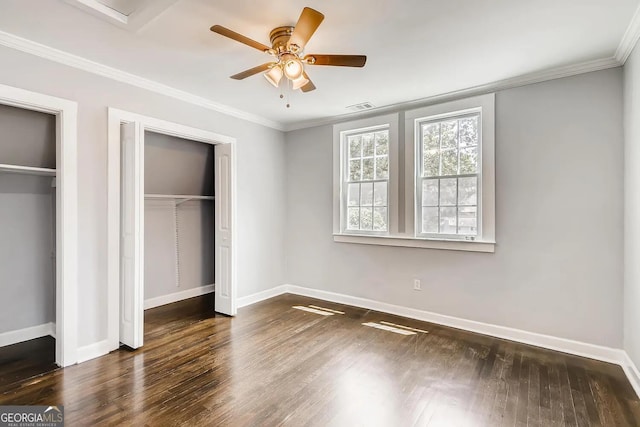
(415,48)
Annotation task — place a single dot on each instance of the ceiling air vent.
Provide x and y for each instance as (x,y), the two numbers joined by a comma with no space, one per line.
(360,107)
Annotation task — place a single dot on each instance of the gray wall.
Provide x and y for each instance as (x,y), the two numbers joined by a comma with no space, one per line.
(557,268)
(260,153)
(179,240)
(160,265)
(177,166)
(28,138)
(193,234)
(27,277)
(632,206)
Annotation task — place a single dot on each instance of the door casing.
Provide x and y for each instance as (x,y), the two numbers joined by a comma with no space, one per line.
(145,123)
(66,113)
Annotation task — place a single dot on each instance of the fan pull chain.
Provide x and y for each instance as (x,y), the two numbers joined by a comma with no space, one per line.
(288,92)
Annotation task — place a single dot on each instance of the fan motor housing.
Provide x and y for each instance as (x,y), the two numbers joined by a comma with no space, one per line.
(279,37)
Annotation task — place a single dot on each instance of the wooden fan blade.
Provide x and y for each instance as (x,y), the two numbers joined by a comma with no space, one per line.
(250,72)
(308,23)
(337,60)
(309,86)
(239,37)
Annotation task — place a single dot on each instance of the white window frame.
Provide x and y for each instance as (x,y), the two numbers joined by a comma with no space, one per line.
(404,235)
(485,104)
(340,170)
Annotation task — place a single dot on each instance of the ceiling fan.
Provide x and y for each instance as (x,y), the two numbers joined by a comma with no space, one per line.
(287,45)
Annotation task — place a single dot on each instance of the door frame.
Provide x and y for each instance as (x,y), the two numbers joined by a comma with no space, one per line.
(66,112)
(116,118)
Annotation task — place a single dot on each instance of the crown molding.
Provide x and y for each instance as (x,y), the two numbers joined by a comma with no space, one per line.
(523,80)
(626,46)
(629,39)
(15,42)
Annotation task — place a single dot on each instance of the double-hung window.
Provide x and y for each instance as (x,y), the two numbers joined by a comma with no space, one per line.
(367,180)
(447,178)
(436,190)
(367,154)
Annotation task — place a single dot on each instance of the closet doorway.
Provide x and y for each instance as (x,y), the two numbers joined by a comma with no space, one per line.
(178,199)
(38,188)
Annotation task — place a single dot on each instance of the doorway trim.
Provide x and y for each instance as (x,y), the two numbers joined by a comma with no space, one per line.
(116,118)
(66,113)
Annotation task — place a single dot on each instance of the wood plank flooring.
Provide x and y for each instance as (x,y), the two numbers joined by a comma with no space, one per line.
(27,359)
(276,365)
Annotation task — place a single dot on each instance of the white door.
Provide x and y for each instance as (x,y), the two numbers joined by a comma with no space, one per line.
(132,235)
(225,298)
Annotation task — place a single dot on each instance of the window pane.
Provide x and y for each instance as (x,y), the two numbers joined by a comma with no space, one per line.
(355,146)
(354,219)
(366,197)
(366,218)
(429,220)
(430,192)
(431,163)
(450,162)
(431,136)
(448,220)
(469,131)
(380,194)
(367,145)
(367,169)
(380,219)
(469,160)
(468,221)
(448,192)
(449,135)
(382,167)
(353,195)
(355,170)
(382,143)
(468,191)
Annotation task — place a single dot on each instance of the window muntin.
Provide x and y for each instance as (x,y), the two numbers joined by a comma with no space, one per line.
(448,178)
(366,180)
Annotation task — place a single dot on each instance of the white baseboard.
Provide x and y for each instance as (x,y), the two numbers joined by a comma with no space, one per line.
(577,348)
(178,296)
(261,296)
(26,334)
(632,373)
(93,351)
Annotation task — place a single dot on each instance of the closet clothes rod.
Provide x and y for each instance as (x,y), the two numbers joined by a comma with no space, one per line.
(27,170)
(181,197)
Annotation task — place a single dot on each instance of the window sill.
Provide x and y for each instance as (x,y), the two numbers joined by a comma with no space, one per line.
(413,242)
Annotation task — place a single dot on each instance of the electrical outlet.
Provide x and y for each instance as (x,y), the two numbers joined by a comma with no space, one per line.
(416,285)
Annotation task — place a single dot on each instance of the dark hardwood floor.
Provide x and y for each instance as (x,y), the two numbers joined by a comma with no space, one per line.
(25,360)
(277,365)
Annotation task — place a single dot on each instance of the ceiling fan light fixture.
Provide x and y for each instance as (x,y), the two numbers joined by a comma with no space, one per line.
(293,69)
(274,75)
(287,51)
(299,82)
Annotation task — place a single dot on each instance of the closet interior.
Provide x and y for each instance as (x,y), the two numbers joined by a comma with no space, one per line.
(178,219)
(27,243)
